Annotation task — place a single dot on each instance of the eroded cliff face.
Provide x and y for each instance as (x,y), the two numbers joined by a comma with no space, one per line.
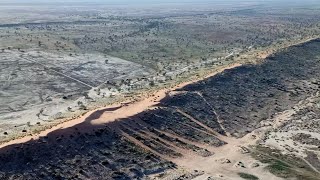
(196,119)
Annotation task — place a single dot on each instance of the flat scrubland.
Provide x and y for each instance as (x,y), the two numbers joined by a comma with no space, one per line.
(255,121)
(56,64)
(193,133)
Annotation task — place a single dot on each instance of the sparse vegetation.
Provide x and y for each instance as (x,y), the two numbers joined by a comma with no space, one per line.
(76,57)
(248,176)
(285,166)
(60,63)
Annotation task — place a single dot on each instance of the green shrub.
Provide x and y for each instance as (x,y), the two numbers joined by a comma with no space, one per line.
(248,176)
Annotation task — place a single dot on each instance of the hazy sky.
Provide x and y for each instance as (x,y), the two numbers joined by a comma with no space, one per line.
(126,1)
(153,1)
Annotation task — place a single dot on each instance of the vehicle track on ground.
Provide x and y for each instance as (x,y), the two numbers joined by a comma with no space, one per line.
(57,72)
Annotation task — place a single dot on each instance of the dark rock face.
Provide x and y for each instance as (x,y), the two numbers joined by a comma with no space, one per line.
(233,102)
(246,95)
(196,106)
(82,156)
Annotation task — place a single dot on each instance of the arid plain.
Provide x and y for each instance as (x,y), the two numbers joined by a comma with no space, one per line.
(161,91)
